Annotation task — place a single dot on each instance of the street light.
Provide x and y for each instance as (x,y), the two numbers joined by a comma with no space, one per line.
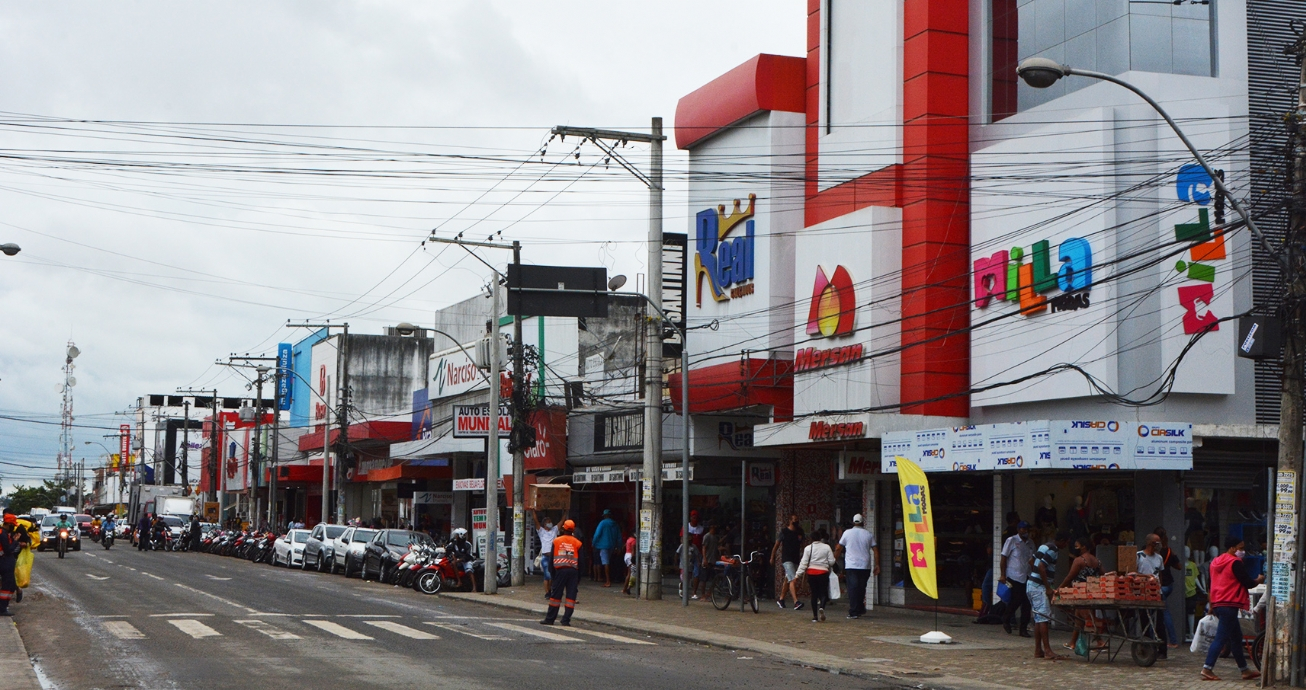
(9,248)
(1041,73)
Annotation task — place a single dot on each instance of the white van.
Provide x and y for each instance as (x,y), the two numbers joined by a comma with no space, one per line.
(60,510)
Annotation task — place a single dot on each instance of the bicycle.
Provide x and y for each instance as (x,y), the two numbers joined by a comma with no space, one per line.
(735,578)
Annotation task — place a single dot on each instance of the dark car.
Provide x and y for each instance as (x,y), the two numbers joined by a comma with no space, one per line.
(386,548)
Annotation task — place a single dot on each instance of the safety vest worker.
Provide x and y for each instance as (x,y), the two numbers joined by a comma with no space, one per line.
(566,574)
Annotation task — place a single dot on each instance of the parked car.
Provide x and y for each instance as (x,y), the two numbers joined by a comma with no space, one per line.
(175,525)
(386,548)
(317,550)
(347,551)
(288,549)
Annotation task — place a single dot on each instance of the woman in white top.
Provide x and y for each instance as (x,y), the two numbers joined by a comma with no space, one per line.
(818,565)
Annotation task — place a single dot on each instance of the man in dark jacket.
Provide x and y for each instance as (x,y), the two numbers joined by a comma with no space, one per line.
(195,533)
(143,532)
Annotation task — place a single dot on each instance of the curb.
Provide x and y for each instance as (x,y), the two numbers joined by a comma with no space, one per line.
(16,672)
(817,660)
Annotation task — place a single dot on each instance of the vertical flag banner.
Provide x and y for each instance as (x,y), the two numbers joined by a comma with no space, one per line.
(283,384)
(918,526)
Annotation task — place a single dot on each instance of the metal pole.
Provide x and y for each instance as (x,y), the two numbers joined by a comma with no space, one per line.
(650,517)
(518,455)
(343,365)
(276,455)
(215,453)
(326,453)
(258,442)
(492,473)
(684,466)
(185,446)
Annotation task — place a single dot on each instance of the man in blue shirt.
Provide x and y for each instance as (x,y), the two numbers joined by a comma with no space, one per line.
(607,539)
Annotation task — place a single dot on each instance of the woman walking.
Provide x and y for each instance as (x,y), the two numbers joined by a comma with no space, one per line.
(818,564)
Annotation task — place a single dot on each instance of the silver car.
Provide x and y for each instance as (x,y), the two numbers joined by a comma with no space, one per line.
(347,551)
(319,547)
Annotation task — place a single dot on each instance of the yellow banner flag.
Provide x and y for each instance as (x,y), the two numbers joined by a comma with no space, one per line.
(918,526)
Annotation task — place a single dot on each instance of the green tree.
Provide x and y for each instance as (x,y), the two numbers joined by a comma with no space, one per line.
(50,494)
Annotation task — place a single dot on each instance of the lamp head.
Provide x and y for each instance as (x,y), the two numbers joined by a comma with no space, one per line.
(616,282)
(9,248)
(1041,73)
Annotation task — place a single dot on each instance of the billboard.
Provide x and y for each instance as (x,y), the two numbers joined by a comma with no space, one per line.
(454,372)
(285,375)
(473,421)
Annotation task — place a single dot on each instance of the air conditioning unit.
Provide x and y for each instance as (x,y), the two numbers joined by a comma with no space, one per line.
(485,350)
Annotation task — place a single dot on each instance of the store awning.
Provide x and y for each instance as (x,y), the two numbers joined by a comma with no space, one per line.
(737,385)
(374,432)
(405,471)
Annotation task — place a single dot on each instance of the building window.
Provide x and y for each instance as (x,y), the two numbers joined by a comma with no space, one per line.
(1111,36)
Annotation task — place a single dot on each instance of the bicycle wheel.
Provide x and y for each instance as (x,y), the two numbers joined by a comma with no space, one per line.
(750,593)
(721,594)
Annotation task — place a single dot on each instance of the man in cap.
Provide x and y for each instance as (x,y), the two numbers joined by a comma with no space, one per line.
(566,574)
(607,539)
(1016,554)
(10,546)
(861,558)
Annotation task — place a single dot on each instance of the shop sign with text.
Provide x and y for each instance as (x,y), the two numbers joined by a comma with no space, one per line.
(835,431)
(723,258)
(473,421)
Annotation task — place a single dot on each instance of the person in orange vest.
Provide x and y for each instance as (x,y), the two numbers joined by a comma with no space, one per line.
(566,574)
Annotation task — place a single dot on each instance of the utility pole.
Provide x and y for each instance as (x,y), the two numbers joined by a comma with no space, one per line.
(650,507)
(276,454)
(1285,580)
(185,447)
(342,443)
(326,456)
(215,453)
(258,443)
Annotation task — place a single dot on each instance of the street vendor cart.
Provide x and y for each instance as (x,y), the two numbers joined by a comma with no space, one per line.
(1112,611)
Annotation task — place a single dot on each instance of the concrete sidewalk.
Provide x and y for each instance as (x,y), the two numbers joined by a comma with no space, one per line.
(16,671)
(882,645)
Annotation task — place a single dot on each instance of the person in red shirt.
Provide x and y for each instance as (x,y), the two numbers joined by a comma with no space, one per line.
(1229,585)
(566,574)
(630,564)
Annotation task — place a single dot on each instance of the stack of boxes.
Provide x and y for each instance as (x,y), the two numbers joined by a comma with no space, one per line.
(1109,589)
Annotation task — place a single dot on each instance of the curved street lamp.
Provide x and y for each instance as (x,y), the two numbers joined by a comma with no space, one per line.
(1041,73)
(9,248)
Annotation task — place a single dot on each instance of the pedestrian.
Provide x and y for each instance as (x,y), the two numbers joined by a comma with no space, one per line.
(143,532)
(707,559)
(11,544)
(695,560)
(861,558)
(1193,587)
(607,539)
(1229,585)
(196,534)
(695,531)
(789,547)
(630,564)
(547,532)
(1084,566)
(1169,562)
(1016,554)
(566,574)
(817,564)
(1038,590)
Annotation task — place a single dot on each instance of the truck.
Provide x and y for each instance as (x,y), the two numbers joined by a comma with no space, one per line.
(145,498)
(181,507)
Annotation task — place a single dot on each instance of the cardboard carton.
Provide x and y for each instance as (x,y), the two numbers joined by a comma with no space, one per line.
(548,497)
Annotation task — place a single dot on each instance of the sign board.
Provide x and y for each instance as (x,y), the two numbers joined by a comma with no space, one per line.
(618,431)
(858,465)
(1056,444)
(673,290)
(433,497)
(645,530)
(599,475)
(761,474)
(286,373)
(473,484)
(478,518)
(1285,535)
(479,536)
(534,291)
(125,440)
(453,372)
(473,421)
(211,511)
(670,473)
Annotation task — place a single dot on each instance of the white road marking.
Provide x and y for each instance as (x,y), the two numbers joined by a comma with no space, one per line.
(258,613)
(228,602)
(153,576)
(219,579)
(466,630)
(365,615)
(123,630)
(194,628)
(101,578)
(336,629)
(129,567)
(108,561)
(171,615)
(610,636)
(552,637)
(274,633)
(411,633)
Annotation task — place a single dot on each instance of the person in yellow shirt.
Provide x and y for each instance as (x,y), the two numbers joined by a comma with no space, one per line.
(566,574)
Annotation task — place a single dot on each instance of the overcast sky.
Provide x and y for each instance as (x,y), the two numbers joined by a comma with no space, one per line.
(159,249)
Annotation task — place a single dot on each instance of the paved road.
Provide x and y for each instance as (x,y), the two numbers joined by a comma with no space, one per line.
(126,619)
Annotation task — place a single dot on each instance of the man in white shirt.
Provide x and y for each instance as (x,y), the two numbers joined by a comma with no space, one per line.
(861,557)
(548,532)
(1016,554)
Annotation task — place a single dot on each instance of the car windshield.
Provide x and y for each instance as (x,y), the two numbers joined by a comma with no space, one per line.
(49,520)
(333,531)
(362,535)
(404,538)
(173,521)
(82,518)
(300,536)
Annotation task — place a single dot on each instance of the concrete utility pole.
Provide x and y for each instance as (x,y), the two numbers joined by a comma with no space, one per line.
(650,506)
(214,451)
(492,474)
(276,454)
(342,377)
(185,446)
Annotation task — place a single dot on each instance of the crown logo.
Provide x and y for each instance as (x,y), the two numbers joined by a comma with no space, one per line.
(726,223)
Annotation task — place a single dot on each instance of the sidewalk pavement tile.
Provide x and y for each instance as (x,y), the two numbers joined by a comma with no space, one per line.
(16,671)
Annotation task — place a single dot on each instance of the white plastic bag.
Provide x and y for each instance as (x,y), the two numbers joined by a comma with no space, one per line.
(1205,634)
(834,586)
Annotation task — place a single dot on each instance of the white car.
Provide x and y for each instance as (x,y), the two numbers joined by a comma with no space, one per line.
(288,549)
(347,550)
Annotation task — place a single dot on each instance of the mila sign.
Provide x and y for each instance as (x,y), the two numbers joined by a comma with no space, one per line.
(1006,276)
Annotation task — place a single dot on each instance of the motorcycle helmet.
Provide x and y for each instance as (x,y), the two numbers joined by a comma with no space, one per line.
(460,532)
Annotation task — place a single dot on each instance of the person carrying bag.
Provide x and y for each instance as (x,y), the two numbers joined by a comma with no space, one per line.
(818,564)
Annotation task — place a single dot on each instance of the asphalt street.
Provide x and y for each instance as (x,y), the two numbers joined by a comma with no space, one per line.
(127,619)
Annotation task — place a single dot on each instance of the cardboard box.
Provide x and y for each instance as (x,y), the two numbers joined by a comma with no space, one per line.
(548,497)
(1126,559)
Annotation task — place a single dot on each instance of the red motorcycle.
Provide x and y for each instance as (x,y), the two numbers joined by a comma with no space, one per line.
(443,571)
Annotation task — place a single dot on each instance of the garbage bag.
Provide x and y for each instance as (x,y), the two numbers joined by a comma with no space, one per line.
(1205,634)
(23,572)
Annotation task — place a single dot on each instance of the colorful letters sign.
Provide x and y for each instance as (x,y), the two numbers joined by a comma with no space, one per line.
(1005,276)
(918,526)
(834,304)
(724,263)
(1197,294)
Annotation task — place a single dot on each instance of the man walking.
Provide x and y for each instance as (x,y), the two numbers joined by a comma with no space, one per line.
(1229,585)
(861,558)
(707,558)
(143,532)
(607,539)
(1038,590)
(789,548)
(1016,553)
(566,574)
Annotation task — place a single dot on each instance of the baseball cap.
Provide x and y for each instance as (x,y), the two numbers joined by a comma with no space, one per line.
(11,519)
(607,511)
(857,519)
(568,525)
(1022,523)
(693,513)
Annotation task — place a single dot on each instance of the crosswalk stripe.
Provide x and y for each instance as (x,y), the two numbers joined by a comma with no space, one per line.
(123,630)
(336,629)
(610,636)
(274,633)
(194,628)
(552,637)
(412,633)
(466,630)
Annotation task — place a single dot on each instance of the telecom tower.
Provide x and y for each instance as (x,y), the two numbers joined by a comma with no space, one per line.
(66,419)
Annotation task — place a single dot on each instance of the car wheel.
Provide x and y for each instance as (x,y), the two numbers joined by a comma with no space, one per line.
(349,567)
(321,564)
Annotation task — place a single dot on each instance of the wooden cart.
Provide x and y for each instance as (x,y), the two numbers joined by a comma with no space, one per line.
(1114,623)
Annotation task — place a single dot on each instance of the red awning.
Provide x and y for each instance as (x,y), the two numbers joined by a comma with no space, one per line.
(376,432)
(405,471)
(736,385)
